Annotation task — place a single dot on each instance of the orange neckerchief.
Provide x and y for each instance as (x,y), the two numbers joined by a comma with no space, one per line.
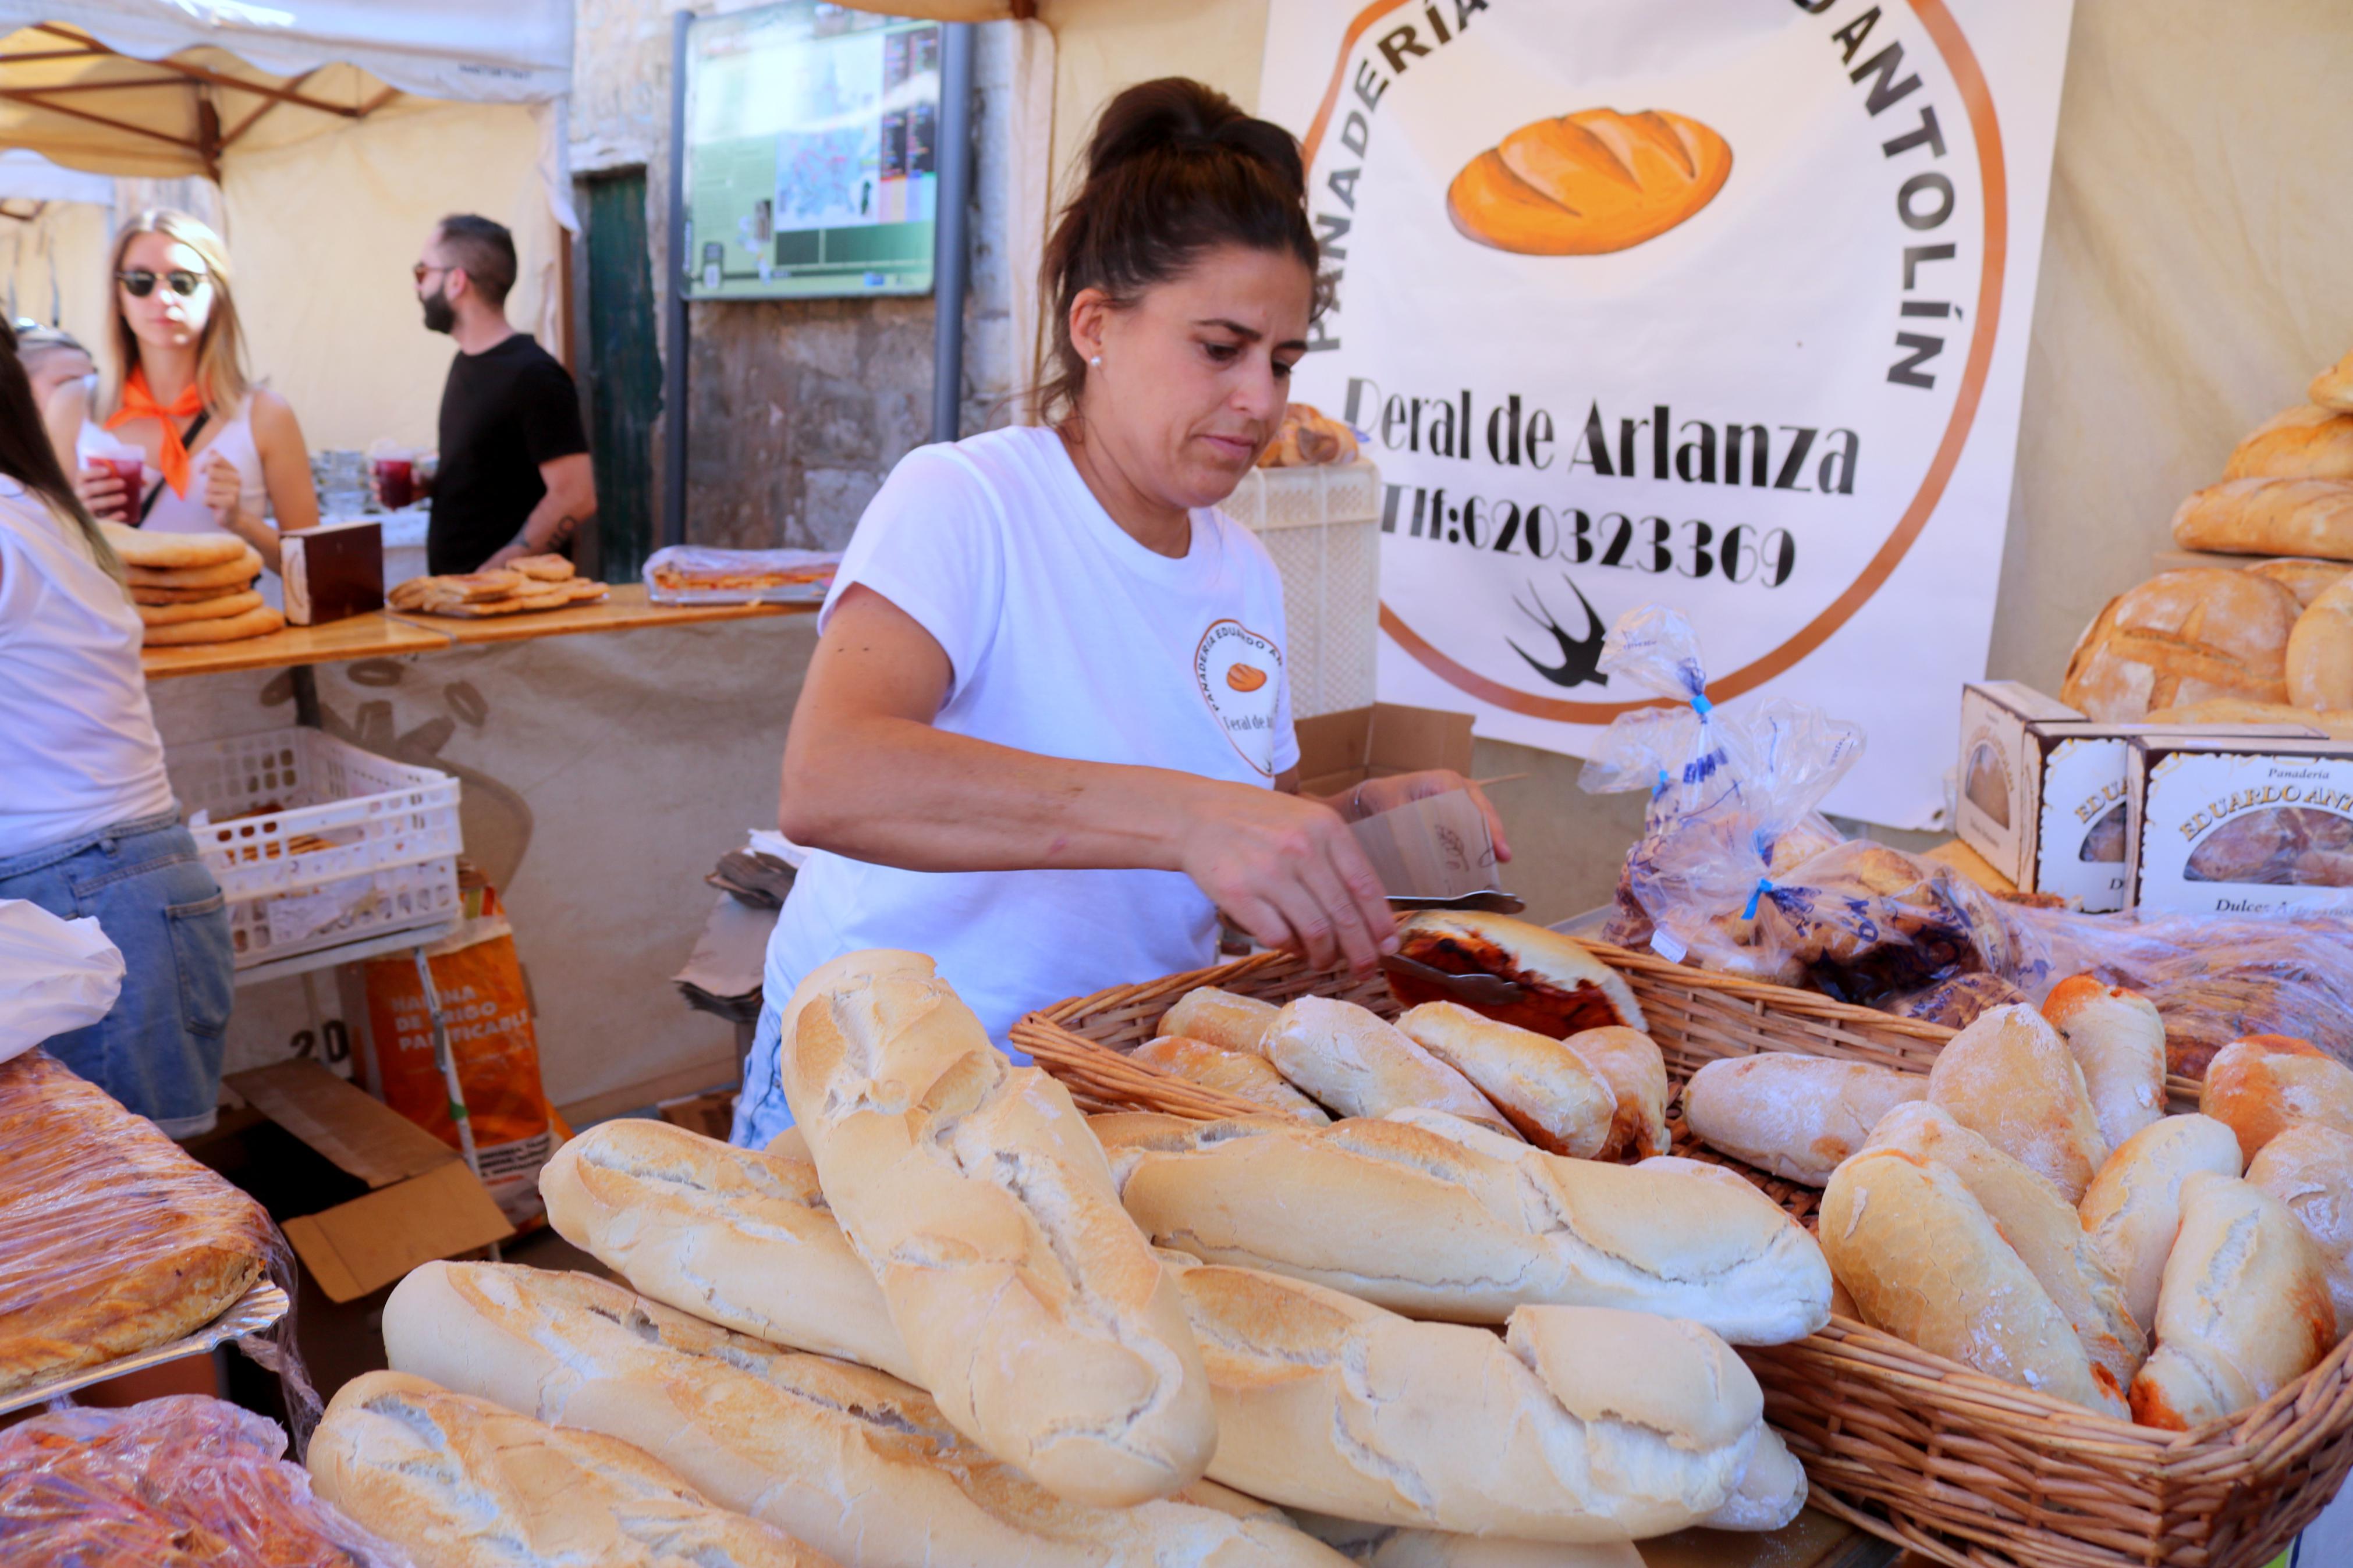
(138,402)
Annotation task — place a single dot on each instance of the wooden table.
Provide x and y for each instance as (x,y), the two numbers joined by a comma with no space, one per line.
(625,608)
(358,637)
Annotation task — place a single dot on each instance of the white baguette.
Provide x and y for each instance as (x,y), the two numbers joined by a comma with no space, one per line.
(2243,1311)
(735,1237)
(2310,1169)
(1792,1115)
(2010,1078)
(2133,1206)
(2263,1085)
(1550,1094)
(1241,1074)
(1230,1022)
(1636,1074)
(1435,1217)
(459,1482)
(2117,1038)
(1580,1425)
(1358,1064)
(2040,1226)
(853,1462)
(1040,1319)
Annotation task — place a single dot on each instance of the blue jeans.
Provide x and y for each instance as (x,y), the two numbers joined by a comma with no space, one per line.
(159,1051)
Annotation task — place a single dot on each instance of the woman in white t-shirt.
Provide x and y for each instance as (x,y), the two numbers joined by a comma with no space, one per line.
(88,826)
(1045,734)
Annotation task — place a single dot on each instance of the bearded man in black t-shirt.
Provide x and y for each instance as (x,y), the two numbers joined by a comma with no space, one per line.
(516,477)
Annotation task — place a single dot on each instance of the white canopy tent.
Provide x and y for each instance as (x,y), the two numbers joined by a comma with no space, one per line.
(337,133)
(53,222)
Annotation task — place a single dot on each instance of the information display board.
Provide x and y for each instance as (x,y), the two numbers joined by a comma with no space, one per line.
(810,136)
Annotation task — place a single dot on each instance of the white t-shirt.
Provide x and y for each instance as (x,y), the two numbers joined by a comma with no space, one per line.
(78,750)
(1070,639)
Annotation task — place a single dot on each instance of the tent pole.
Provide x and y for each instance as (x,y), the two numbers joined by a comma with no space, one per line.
(673,530)
(951,249)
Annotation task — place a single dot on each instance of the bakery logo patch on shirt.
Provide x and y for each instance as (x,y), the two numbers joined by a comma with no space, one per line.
(1240,676)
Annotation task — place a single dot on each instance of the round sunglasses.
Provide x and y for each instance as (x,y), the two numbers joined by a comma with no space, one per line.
(139,282)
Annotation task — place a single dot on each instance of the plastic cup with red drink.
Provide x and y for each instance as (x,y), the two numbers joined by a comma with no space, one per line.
(130,470)
(395,482)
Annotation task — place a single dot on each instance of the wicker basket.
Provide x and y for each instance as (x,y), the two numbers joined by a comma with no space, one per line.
(1964,1469)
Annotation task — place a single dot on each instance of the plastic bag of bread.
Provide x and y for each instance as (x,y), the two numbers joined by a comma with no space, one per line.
(189,1481)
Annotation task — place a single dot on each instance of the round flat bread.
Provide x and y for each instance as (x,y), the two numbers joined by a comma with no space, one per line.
(583,590)
(217,608)
(258,623)
(234,572)
(172,552)
(145,595)
(544,568)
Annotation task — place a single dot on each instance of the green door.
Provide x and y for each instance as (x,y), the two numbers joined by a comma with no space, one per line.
(623,369)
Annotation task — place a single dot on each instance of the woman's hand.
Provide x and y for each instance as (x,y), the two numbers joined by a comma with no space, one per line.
(1287,870)
(223,489)
(1377,795)
(103,492)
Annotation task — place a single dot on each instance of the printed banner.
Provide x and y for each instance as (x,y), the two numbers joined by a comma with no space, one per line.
(1721,304)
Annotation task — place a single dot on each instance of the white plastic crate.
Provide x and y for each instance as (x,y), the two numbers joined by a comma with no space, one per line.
(315,841)
(1323,526)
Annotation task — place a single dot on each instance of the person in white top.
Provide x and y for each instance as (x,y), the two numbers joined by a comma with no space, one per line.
(1045,734)
(88,824)
(218,454)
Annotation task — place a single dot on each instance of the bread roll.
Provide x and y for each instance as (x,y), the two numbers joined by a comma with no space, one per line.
(2244,1310)
(2182,637)
(1568,989)
(2336,723)
(2306,442)
(1923,1262)
(1041,1323)
(2307,579)
(1795,1116)
(2133,1206)
(1238,1073)
(1467,1226)
(456,1482)
(2262,1085)
(1396,1546)
(1221,1018)
(1589,183)
(1359,1064)
(2117,1038)
(1771,1491)
(2269,517)
(2040,1226)
(835,973)
(1546,1090)
(2333,387)
(737,1237)
(1636,1072)
(2310,1169)
(1580,1424)
(2320,652)
(2010,1077)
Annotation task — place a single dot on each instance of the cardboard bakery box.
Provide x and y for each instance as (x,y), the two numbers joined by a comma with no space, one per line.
(422,1203)
(2240,826)
(1340,751)
(1995,811)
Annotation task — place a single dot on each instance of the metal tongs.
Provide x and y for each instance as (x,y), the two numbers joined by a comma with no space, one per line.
(1470,990)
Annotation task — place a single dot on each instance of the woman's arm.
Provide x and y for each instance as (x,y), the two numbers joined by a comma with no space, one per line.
(866,776)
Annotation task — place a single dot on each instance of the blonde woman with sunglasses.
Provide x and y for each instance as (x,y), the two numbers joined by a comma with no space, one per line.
(218,454)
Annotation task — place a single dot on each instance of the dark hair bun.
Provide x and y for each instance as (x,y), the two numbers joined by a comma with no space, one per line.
(1177,117)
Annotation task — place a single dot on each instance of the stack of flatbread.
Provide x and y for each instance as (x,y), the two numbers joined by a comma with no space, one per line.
(533,583)
(194,587)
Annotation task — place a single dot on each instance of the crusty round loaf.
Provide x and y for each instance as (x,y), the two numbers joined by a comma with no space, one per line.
(2333,387)
(459,1482)
(1636,1071)
(1568,988)
(1223,1019)
(2133,1206)
(2244,1308)
(1238,1073)
(1793,1115)
(2320,652)
(2010,1078)
(2041,1227)
(2307,579)
(2310,1168)
(218,608)
(158,551)
(849,1460)
(2181,637)
(2117,1038)
(1924,1262)
(1551,1094)
(2306,442)
(2263,1084)
(260,622)
(1589,183)
(2269,517)
(1360,1063)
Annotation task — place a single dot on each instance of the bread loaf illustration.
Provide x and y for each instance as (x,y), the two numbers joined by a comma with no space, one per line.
(1245,677)
(1589,183)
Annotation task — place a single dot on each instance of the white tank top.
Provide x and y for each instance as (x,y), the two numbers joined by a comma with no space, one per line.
(188,513)
(79,750)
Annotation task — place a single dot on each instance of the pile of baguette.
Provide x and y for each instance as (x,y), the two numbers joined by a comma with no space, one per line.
(532,582)
(193,588)
(2269,644)
(2028,1209)
(949,1319)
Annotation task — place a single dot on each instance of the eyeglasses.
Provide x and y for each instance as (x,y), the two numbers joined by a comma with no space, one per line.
(421,273)
(139,282)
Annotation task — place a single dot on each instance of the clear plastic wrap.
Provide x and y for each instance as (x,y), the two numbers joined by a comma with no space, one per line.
(188,1481)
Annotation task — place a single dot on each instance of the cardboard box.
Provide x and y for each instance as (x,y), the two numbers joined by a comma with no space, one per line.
(333,573)
(1994,812)
(1340,751)
(2238,824)
(422,1202)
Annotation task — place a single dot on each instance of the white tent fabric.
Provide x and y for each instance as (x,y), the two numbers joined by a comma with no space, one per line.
(26,176)
(518,51)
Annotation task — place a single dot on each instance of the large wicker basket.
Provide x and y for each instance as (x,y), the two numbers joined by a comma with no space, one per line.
(1963,1468)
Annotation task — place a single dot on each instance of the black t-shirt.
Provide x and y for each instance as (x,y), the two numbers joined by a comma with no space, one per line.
(504,411)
